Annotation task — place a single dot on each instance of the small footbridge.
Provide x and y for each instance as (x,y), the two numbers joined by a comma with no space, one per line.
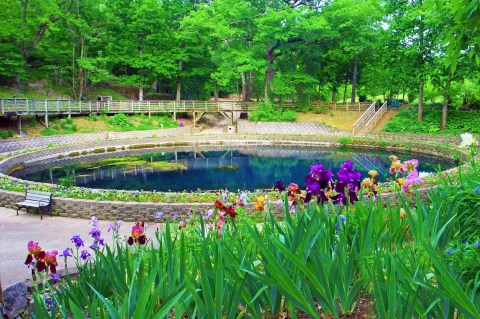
(28,107)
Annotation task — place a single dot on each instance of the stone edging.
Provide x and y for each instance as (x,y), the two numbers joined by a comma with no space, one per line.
(131,211)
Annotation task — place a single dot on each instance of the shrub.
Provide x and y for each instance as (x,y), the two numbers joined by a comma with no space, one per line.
(322,108)
(344,140)
(406,121)
(268,112)
(121,121)
(6,134)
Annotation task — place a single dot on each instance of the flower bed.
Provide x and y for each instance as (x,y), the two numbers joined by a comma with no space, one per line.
(330,250)
(115,203)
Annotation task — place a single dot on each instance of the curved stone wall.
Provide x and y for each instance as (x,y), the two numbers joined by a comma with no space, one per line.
(134,210)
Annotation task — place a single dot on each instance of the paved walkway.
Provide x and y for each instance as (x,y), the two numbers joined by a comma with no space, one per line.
(52,233)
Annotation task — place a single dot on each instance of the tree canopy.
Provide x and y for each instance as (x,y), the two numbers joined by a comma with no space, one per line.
(296,50)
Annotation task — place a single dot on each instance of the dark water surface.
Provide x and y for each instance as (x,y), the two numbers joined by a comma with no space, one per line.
(257,167)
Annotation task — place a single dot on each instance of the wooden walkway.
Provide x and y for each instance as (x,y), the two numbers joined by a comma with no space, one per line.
(28,107)
(21,107)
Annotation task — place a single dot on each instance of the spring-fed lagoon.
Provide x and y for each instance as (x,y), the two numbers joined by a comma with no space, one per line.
(240,168)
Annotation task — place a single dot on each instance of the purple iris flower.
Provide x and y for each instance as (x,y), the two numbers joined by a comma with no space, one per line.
(279,185)
(85,254)
(342,218)
(159,215)
(348,175)
(56,277)
(318,178)
(477,191)
(95,232)
(66,253)
(449,252)
(77,241)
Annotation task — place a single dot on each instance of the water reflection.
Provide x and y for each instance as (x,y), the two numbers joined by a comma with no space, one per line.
(252,168)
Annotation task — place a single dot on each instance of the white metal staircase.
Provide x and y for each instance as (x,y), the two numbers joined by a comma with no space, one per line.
(369,118)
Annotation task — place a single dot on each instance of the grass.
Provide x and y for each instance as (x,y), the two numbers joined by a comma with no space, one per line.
(96,124)
(8,93)
(340,120)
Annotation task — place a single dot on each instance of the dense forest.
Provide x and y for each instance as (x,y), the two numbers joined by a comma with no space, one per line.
(301,50)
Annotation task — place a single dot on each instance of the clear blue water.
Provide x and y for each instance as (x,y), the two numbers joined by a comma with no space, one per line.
(241,169)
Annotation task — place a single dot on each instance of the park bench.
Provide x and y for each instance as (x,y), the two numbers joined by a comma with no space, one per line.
(40,200)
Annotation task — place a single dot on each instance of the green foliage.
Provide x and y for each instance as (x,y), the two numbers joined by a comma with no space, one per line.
(322,108)
(67,181)
(345,140)
(268,112)
(121,122)
(6,134)
(458,121)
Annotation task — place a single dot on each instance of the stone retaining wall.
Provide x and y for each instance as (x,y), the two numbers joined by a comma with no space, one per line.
(133,210)
(297,128)
(38,142)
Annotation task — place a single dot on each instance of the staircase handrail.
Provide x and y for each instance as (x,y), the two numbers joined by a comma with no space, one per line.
(364,118)
(376,117)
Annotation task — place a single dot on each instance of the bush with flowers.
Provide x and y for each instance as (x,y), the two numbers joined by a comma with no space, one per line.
(335,245)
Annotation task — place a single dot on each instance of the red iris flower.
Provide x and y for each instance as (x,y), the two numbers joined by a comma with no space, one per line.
(231,211)
(35,251)
(138,236)
(219,205)
(43,259)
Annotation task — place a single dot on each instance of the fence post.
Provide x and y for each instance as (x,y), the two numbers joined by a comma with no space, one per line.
(358,106)
(69,108)
(3,110)
(347,106)
(46,114)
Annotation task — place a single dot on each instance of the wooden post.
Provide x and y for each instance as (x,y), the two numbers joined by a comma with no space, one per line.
(58,106)
(149,109)
(80,105)
(46,114)
(3,110)
(358,106)
(347,106)
(194,119)
(174,113)
(70,109)
(19,124)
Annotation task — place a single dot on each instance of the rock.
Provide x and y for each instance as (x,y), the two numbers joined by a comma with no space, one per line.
(14,300)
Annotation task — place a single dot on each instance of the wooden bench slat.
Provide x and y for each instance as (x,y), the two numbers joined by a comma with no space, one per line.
(36,199)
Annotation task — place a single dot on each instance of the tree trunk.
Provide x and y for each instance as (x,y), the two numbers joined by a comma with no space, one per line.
(215,91)
(179,81)
(334,94)
(250,86)
(82,74)
(446,97)
(244,87)
(354,79)
(74,91)
(420,102)
(140,87)
(268,80)
(179,88)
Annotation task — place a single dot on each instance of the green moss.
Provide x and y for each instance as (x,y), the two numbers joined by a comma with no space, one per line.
(99,150)
(111,149)
(73,154)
